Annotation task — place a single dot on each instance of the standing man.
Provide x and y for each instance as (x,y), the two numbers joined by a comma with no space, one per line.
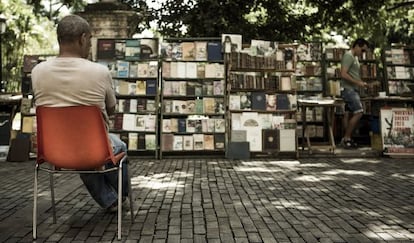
(70,79)
(350,82)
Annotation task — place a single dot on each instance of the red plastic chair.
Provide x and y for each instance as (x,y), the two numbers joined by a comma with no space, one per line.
(74,140)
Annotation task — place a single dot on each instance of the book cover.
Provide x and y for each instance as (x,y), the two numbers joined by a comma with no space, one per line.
(149,48)
(396,127)
(198,141)
(167,141)
(238,135)
(219,105)
(150,123)
(214,51)
(143,69)
(132,49)
(271,102)
(191,70)
(287,140)
(282,102)
(199,106)
(211,124)
(141,87)
(200,50)
(188,50)
(150,142)
(258,100)
(234,102)
(180,69)
(166,69)
(141,141)
(218,87)
(119,49)
(139,122)
(219,141)
(105,49)
(166,125)
(133,70)
(190,126)
(208,141)
(178,143)
(219,125)
(270,139)
(182,124)
(150,105)
(191,106)
(133,105)
(188,143)
(201,70)
(153,69)
(141,104)
(132,141)
(128,122)
(151,87)
(122,69)
(231,42)
(209,105)
(118,121)
(245,101)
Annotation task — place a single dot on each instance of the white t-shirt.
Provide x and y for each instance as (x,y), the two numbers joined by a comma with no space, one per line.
(68,81)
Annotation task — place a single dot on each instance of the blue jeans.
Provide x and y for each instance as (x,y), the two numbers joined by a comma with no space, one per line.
(352,100)
(103,187)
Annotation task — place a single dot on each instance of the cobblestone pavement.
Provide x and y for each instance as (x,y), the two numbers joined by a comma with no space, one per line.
(217,200)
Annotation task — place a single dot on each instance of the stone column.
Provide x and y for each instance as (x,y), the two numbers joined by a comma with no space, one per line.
(110,19)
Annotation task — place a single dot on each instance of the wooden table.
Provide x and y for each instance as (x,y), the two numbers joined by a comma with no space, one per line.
(329,107)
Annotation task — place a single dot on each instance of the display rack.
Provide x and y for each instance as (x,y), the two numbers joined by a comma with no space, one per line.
(134,66)
(193,101)
(261,91)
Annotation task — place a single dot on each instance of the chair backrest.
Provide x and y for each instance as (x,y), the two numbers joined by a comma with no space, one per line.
(73,137)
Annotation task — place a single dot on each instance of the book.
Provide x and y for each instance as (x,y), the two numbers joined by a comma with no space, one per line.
(141,87)
(214,51)
(191,70)
(282,102)
(119,49)
(209,105)
(133,70)
(287,140)
(132,141)
(122,69)
(234,102)
(150,123)
(188,142)
(150,142)
(150,105)
(208,141)
(128,122)
(153,69)
(105,49)
(140,122)
(178,143)
(149,48)
(151,87)
(141,141)
(133,105)
(132,49)
(182,125)
(219,125)
(188,50)
(218,87)
(238,135)
(219,141)
(143,69)
(271,102)
(258,100)
(270,140)
(231,42)
(200,50)
(198,141)
(167,141)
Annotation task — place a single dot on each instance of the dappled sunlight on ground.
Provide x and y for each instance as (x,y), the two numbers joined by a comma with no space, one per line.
(361,160)
(348,172)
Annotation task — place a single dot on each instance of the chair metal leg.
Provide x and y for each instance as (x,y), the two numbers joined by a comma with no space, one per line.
(52,193)
(119,201)
(131,205)
(34,230)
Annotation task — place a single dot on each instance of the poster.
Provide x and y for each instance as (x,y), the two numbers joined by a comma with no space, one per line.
(397,130)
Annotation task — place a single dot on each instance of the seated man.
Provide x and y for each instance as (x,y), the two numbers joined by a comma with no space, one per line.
(70,79)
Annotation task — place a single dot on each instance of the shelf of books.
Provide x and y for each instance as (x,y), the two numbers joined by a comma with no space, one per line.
(134,66)
(399,66)
(262,98)
(310,83)
(192,98)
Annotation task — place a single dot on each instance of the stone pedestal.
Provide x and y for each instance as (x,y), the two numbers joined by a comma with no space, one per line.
(110,19)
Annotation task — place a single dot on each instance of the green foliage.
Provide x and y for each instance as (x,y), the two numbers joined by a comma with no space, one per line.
(30,23)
